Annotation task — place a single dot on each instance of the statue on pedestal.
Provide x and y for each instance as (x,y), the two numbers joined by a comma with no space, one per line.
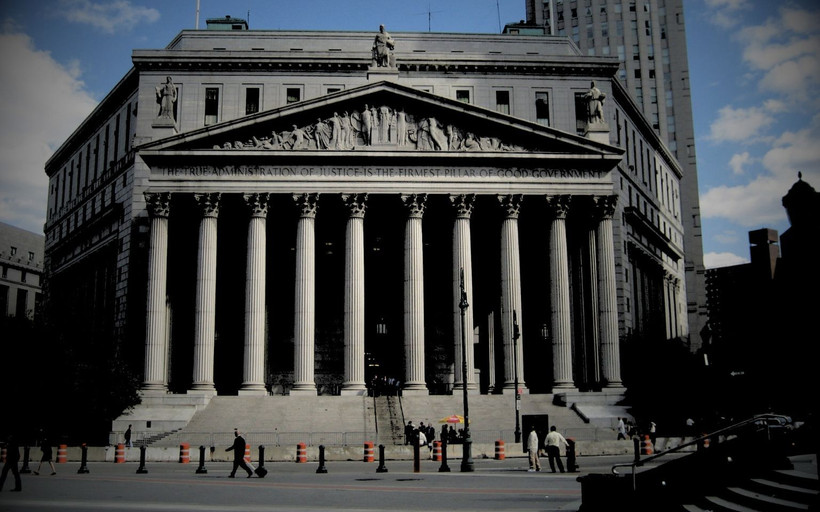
(166,97)
(383,47)
(595,105)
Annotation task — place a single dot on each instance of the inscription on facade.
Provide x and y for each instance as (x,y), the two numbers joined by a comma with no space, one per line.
(409,173)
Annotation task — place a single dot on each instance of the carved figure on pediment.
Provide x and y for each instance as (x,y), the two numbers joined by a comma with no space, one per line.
(166,97)
(437,134)
(297,139)
(321,134)
(454,139)
(595,104)
(401,128)
(347,135)
(471,143)
(374,128)
(367,125)
(385,119)
(383,47)
(336,131)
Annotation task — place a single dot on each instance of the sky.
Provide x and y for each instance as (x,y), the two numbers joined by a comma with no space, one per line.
(753,68)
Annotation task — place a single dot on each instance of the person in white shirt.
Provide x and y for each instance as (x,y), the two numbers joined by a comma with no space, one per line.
(554,442)
(532,449)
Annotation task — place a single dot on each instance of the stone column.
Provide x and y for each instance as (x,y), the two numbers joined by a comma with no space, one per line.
(607,296)
(559,294)
(354,296)
(156,341)
(414,295)
(511,292)
(205,312)
(253,371)
(462,259)
(304,309)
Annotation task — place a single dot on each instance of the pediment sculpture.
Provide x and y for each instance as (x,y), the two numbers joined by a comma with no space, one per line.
(381,128)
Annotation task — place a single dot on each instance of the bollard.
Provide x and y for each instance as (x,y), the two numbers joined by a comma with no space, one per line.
(382,468)
(368,451)
(261,471)
(141,470)
(416,456)
(301,453)
(201,469)
(444,468)
(184,453)
(322,468)
(25,468)
(3,455)
(62,454)
(637,445)
(572,466)
(646,446)
(437,451)
(500,451)
(84,461)
(119,454)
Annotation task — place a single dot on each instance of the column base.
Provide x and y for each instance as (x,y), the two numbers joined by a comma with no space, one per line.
(202,390)
(509,389)
(253,391)
(472,389)
(153,390)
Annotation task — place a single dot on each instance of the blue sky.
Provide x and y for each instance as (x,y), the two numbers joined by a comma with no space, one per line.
(754,65)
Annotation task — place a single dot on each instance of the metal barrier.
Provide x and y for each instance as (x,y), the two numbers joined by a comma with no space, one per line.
(780,420)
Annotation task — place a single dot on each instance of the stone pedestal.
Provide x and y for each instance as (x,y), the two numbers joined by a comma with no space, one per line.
(375,74)
(599,132)
(164,127)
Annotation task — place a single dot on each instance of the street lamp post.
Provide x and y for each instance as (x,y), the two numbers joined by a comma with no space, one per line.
(516,335)
(467,459)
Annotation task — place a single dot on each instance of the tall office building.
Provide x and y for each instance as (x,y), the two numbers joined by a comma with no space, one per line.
(649,39)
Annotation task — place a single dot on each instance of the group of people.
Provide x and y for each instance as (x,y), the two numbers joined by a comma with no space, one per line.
(627,430)
(553,443)
(12,447)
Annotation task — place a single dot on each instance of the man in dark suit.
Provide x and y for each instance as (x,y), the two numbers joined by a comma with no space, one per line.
(239,454)
(12,458)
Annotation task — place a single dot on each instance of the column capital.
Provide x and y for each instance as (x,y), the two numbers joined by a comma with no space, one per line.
(257,203)
(463,204)
(307,204)
(559,205)
(158,203)
(208,203)
(356,204)
(604,206)
(511,204)
(414,204)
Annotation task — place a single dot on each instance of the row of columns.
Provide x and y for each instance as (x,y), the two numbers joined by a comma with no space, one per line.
(156,363)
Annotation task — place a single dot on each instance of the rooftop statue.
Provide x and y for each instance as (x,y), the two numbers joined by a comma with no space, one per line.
(166,97)
(595,104)
(383,47)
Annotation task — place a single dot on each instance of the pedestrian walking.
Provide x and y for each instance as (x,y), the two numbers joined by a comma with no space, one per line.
(48,456)
(128,437)
(621,429)
(532,449)
(238,448)
(12,458)
(653,433)
(409,431)
(554,442)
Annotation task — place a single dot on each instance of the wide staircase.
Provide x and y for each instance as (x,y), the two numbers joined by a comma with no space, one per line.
(764,463)
(351,420)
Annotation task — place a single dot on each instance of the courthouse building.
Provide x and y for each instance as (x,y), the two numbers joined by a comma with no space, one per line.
(293,212)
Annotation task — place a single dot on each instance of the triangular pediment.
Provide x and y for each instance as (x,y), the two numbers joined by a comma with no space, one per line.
(384,117)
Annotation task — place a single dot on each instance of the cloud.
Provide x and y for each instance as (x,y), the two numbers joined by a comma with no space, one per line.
(722,259)
(110,17)
(41,104)
(738,161)
(786,50)
(740,124)
(724,13)
(754,204)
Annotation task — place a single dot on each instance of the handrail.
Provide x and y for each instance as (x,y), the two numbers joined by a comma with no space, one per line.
(640,462)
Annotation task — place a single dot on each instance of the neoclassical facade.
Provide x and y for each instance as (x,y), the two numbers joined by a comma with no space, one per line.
(297,213)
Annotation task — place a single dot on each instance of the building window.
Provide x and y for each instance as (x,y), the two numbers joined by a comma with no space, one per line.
(580,113)
(23,276)
(13,250)
(502,102)
(463,95)
(251,100)
(542,108)
(293,95)
(31,255)
(211,105)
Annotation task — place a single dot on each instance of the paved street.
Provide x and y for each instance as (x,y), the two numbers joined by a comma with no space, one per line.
(495,485)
